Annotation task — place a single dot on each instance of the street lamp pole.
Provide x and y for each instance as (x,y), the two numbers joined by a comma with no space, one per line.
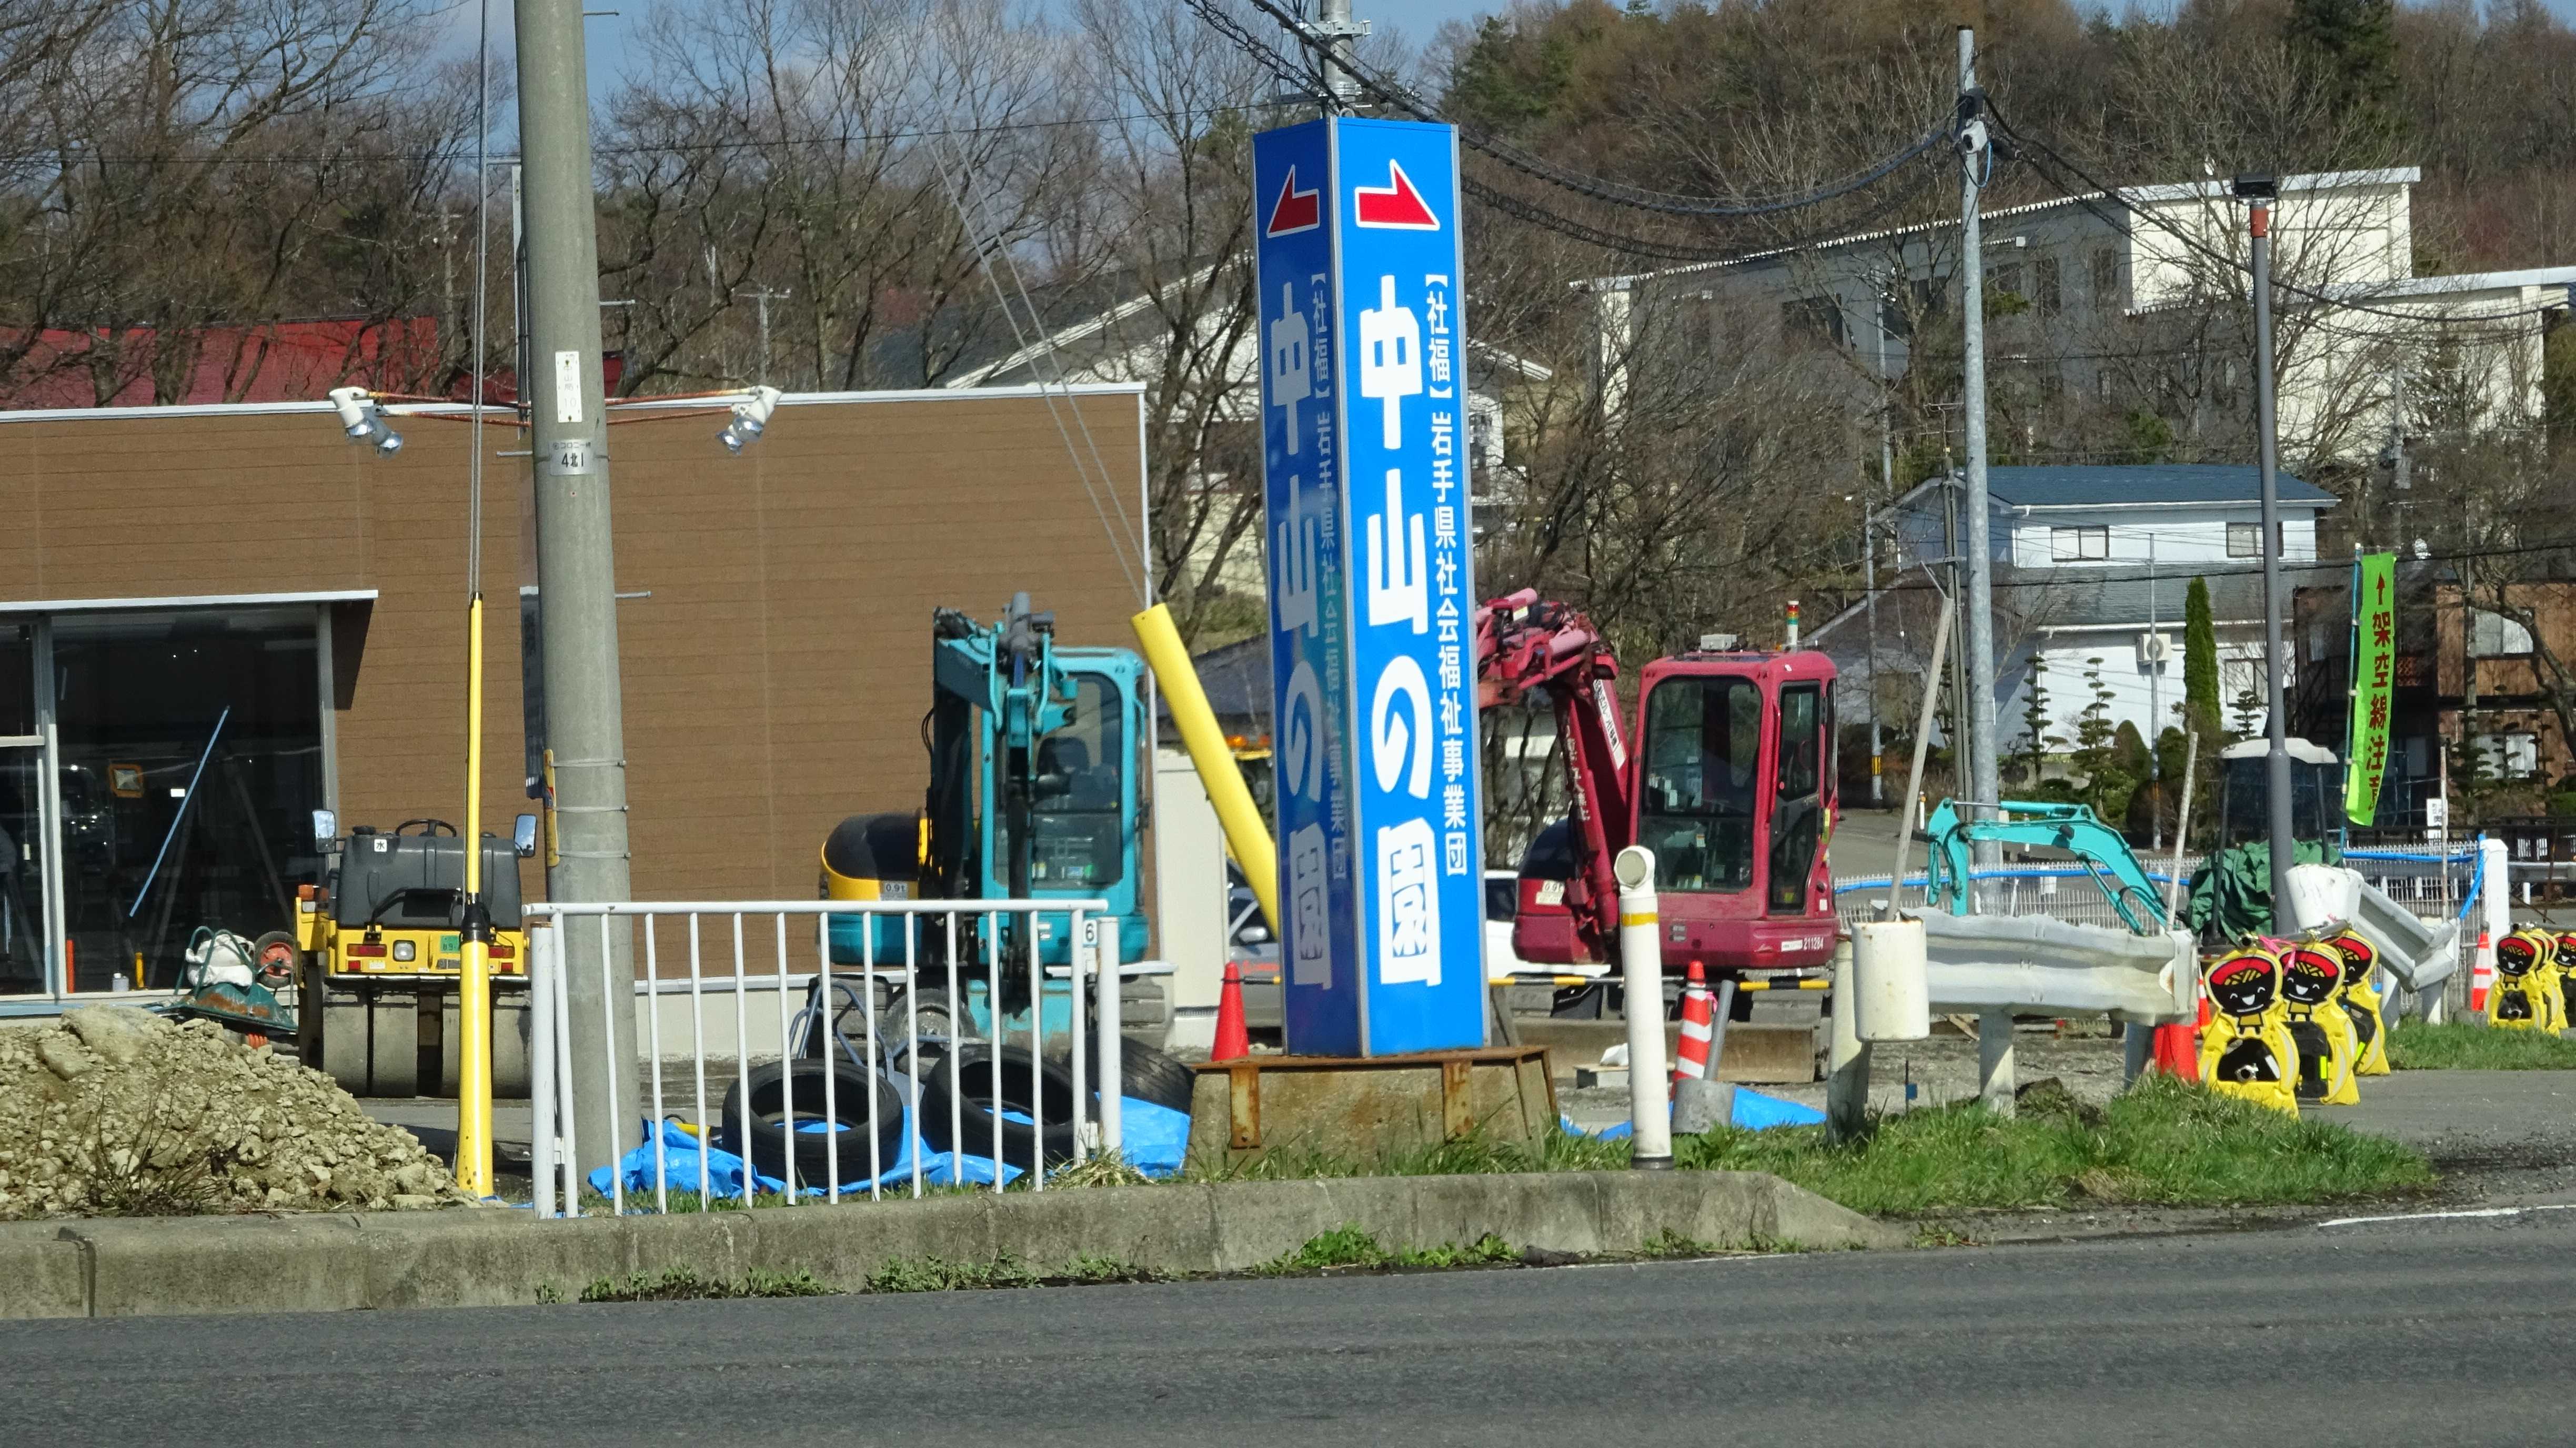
(2257,192)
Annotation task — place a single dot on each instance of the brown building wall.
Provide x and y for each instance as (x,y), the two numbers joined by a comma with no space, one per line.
(777,671)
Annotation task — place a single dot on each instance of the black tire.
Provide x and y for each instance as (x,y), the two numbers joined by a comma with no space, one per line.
(1151,1075)
(976,1067)
(862,1101)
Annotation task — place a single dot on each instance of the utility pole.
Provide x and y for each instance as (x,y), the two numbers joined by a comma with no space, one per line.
(1341,32)
(576,566)
(761,295)
(1869,551)
(1984,783)
(2257,193)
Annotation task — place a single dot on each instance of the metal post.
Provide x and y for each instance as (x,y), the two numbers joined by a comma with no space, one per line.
(2155,715)
(1995,1060)
(1983,778)
(1641,979)
(576,570)
(1846,1057)
(542,966)
(2257,191)
(1113,1045)
(1333,19)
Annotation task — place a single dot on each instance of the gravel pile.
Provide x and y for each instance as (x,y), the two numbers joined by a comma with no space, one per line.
(121,1112)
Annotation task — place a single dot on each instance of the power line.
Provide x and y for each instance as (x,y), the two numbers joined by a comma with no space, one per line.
(1402,97)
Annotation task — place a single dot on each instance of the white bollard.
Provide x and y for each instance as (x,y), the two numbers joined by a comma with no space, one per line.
(1641,978)
(1113,1045)
(1891,971)
(542,965)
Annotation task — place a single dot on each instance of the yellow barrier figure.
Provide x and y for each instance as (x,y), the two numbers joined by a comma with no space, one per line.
(2311,974)
(2525,997)
(2246,1049)
(2566,977)
(2549,982)
(2360,1000)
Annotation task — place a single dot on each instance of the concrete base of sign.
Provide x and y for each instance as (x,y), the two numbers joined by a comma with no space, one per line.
(1368,1111)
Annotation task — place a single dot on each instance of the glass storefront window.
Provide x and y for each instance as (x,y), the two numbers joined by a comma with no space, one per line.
(22,875)
(191,758)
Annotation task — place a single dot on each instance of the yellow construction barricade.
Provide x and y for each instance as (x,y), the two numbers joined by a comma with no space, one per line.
(2246,1048)
(2360,1001)
(2526,993)
(2311,978)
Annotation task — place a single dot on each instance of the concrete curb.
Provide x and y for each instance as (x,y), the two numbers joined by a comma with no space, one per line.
(337,1262)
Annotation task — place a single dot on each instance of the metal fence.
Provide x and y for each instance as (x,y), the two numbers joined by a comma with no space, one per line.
(893,1022)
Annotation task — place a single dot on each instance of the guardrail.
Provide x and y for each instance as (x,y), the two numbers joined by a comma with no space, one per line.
(926,970)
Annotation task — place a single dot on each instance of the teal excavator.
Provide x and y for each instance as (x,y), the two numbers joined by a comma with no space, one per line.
(2073,828)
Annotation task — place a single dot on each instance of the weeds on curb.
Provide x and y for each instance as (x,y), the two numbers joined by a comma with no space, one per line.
(938,1274)
(1349,1246)
(684,1284)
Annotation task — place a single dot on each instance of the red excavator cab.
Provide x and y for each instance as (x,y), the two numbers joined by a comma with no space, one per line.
(1734,792)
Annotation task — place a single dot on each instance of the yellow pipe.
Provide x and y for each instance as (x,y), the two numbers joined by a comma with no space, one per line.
(474,981)
(1245,833)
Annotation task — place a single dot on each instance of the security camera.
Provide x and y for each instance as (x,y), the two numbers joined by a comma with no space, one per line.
(750,419)
(363,418)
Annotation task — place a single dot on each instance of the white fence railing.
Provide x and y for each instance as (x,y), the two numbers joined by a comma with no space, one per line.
(925,1025)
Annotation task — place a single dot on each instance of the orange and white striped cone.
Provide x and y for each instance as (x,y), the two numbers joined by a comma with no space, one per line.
(1699,1023)
(2482,974)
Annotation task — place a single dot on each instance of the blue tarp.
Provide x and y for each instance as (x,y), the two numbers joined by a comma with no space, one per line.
(1753,1112)
(1155,1139)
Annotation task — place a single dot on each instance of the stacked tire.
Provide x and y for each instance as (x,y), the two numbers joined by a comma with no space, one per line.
(863,1105)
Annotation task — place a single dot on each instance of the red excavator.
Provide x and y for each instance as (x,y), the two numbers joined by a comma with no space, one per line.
(1730,782)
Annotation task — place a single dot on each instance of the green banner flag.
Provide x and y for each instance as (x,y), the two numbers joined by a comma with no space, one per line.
(2374,663)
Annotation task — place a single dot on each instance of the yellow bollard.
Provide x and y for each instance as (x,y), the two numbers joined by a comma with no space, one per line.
(2526,992)
(1245,833)
(2246,1050)
(474,979)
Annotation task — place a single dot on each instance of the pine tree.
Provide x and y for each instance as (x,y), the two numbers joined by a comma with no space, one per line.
(2035,738)
(2200,667)
(2094,733)
(2249,712)
(2353,45)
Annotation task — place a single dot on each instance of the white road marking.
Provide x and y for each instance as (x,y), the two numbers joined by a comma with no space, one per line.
(2448,1216)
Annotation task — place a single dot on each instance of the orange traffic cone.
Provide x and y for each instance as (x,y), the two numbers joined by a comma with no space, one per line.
(1233,1040)
(2482,974)
(2178,1047)
(1690,1063)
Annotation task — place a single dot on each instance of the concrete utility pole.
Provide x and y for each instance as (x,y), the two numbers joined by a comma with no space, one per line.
(2257,193)
(576,564)
(2155,715)
(1869,552)
(1333,19)
(1984,783)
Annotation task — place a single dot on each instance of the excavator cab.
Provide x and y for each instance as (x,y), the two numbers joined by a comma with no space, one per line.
(1735,795)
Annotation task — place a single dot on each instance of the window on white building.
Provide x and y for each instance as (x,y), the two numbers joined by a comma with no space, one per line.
(2105,262)
(2245,540)
(2079,545)
(2046,294)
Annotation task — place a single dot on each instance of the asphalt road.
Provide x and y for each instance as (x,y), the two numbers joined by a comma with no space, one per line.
(2410,1332)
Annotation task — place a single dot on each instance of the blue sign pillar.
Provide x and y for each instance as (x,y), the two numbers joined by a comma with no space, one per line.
(1364,410)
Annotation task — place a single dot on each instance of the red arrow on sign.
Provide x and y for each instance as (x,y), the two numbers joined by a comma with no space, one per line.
(1295,210)
(1397,204)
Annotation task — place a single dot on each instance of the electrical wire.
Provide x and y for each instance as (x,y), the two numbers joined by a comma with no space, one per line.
(1392,92)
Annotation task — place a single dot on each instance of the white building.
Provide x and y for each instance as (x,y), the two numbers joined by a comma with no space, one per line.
(2096,278)
(2093,563)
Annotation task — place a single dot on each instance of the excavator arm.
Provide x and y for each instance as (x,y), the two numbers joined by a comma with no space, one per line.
(1528,646)
(2074,828)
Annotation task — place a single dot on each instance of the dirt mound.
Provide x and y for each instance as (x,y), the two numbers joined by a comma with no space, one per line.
(121,1112)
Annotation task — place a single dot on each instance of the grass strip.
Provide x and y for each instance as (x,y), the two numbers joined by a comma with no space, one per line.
(2163,1143)
(1349,1246)
(2473,1046)
(685,1284)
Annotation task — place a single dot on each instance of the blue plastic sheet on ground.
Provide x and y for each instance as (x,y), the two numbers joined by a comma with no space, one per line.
(1155,1139)
(1753,1111)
